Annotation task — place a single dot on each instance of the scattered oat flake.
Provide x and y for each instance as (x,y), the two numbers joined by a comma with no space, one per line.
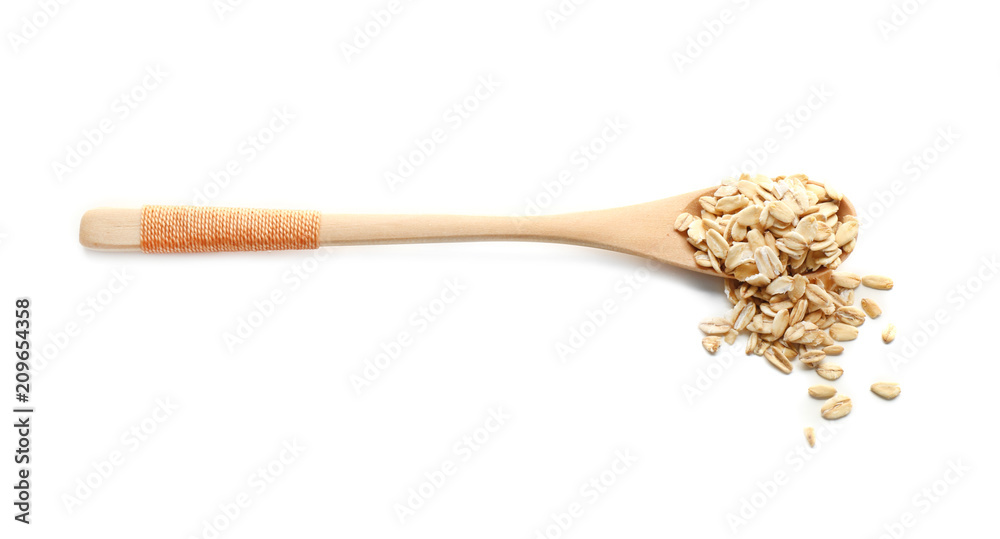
(845,279)
(810,436)
(715,326)
(886,390)
(889,333)
(778,360)
(683,221)
(836,408)
(878,282)
(822,391)
(850,315)
(711,344)
(843,332)
(812,357)
(871,308)
(829,371)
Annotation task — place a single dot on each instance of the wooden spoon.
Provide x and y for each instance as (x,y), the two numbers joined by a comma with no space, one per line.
(644,230)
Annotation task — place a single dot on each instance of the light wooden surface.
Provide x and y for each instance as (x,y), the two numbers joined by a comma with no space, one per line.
(644,230)
(111,229)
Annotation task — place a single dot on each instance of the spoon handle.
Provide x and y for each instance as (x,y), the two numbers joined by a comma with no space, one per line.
(347,229)
(643,230)
(178,229)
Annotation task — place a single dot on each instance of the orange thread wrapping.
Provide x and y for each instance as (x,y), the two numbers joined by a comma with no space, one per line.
(193,229)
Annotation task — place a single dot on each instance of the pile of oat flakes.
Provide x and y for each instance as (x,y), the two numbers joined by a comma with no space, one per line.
(766,234)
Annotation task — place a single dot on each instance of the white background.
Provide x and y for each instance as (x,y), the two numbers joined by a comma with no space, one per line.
(888,93)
